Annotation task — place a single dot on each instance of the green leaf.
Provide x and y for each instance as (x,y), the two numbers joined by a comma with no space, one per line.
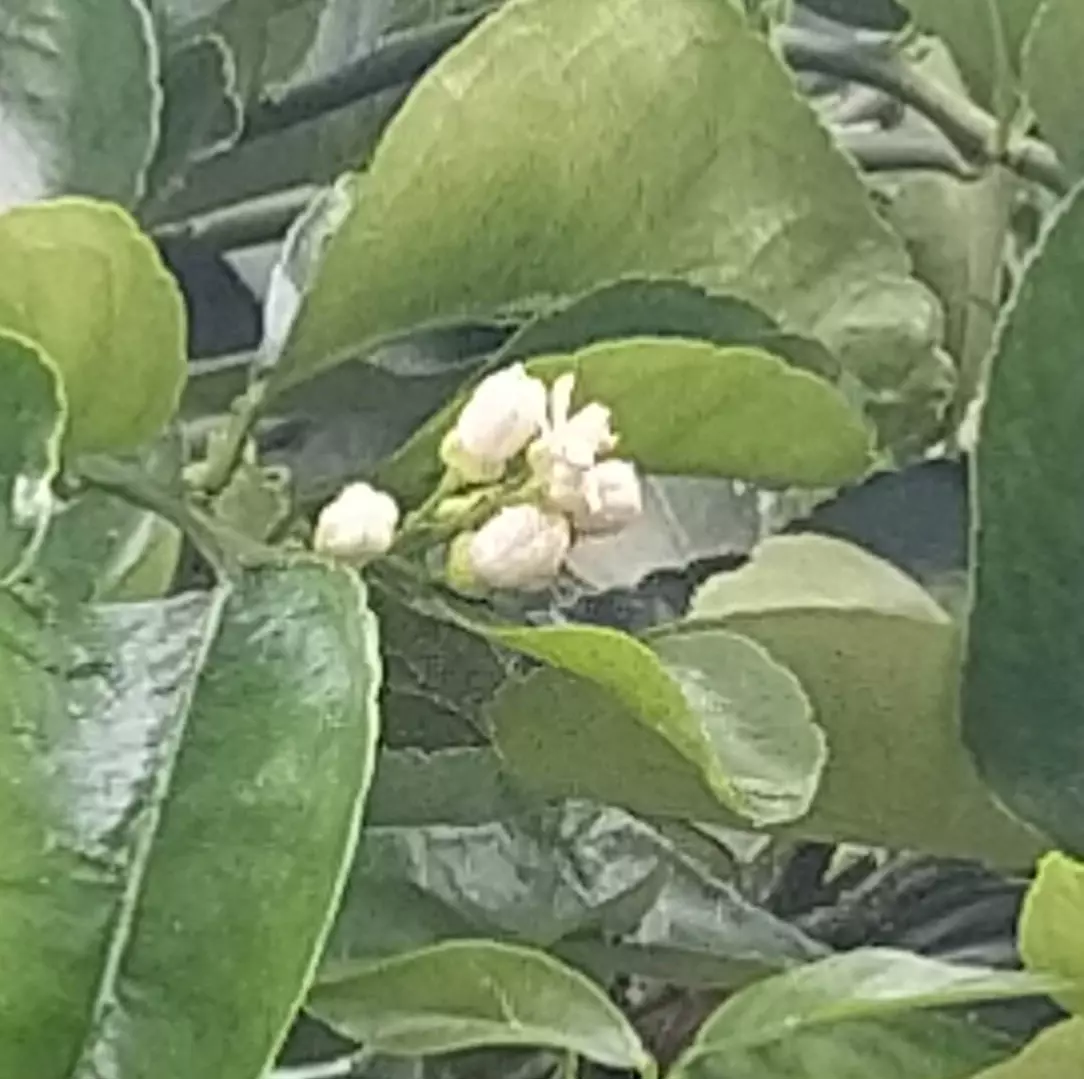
(531,877)
(101,547)
(166,844)
(880,663)
(466,994)
(986,38)
(81,280)
(1057,1051)
(705,726)
(662,308)
(1051,59)
(1024,690)
(691,408)
(202,114)
(525,166)
(1051,930)
(855,1015)
(79,99)
(33,413)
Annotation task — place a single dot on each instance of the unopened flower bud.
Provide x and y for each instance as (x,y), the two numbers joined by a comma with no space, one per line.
(358,525)
(505,412)
(520,547)
(612,498)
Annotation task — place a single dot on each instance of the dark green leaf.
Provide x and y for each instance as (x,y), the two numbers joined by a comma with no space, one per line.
(1051,74)
(78,99)
(532,877)
(80,279)
(855,1015)
(475,993)
(33,413)
(1024,690)
(181,784)
(201,112)
(101,547)
(585,165)
(692,408)
(880,662)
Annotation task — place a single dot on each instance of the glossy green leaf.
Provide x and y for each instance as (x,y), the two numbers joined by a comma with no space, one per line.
(1024,690)
(1051,72)
(706,725)
(180,786)
(1052,922)
(80,279)
(880,662)
(857,1014)
(33,413)
(476,993)
(692,408)
(79,99)
(202,113)
(531,877)
(525,166)
(1055,1052)
(986,38)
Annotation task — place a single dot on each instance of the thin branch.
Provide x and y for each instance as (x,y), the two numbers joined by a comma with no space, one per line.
(891,151)
(244,224)
(400,61)
(970,128)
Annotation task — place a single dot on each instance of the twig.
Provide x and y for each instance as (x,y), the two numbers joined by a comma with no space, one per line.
(244,224)
(883,151)
(971,129)
(400,61)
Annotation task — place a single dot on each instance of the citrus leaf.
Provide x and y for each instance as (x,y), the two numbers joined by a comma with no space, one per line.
(527,164)
(691,408)
(33,413)
(1023,688)
(175,839)
(1050,70)
(858,1014)
(80,279)
(79,99)
(1051,937)
(465,994)
(879,660)
(704,727)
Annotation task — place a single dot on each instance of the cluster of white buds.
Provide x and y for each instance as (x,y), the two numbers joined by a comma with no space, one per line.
(571,487)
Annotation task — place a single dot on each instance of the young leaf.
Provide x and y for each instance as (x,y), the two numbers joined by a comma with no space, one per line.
(691,408)
(880,663)
(705,727)
(175,838)
(79,99)
(1024,684)
(524,166)
(855,1014)
(1051,928)
(32,418)
(466,994)
(81,280)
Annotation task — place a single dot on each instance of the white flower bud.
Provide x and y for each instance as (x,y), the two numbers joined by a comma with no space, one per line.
(505,412)
(358,525)
(612,498)
(520,547)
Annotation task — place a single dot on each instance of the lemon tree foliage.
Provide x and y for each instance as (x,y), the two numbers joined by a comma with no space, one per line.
(539,537)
